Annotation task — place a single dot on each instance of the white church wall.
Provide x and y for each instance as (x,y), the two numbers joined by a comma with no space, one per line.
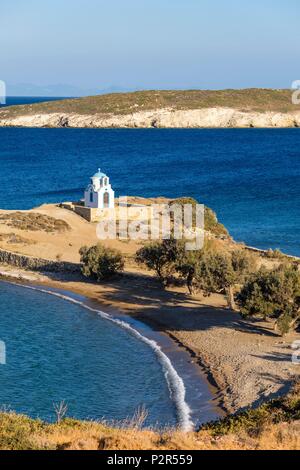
(111,201)
(98,187)
(87,199)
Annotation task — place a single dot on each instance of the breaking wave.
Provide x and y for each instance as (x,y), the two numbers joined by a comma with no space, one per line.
(174,381)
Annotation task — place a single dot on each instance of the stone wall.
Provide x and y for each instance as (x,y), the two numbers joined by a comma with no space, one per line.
(88,213)
(91,214)
(37,264)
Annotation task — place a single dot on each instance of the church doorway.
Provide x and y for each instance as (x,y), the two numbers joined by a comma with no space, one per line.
(106,200)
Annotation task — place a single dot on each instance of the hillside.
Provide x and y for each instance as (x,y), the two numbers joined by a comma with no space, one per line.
(191,108)
(274,425)
(259,100)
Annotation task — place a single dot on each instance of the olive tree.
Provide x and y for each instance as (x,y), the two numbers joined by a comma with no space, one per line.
(273,294)
(243,264)
(100,262)
(159,257)
(188,263)
(187,267)
(215,274)
(219,272)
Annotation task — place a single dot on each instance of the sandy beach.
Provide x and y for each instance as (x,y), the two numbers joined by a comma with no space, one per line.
(245,361)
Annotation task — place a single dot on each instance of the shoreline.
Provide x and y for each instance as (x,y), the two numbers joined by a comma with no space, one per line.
(183,375)
(236,382)
(213,117)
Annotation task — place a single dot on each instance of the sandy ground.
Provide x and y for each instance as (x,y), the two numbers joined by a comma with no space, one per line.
(64,245)
(246,362)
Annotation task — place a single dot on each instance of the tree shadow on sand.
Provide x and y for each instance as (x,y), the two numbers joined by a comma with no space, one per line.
(275,357)
(141,295)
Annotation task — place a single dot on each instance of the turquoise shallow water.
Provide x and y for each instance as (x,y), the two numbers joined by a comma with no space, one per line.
(57,350)
(249,176)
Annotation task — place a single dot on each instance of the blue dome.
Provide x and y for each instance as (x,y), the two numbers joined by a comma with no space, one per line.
(99,174)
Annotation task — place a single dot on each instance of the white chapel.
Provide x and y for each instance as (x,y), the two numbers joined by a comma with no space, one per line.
(99,193)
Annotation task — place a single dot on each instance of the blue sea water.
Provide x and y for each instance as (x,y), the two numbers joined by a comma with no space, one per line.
(16,100)
(250,177)
(57,350)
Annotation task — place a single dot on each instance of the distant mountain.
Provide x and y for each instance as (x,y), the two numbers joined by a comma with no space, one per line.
(30,89)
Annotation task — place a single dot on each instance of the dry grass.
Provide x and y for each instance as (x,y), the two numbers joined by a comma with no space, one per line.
(34,221)
(275,425)
(254,99)
(15,239)
(72,435)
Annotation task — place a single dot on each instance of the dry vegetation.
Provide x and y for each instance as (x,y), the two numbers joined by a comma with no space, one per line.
(274,425)
(15,239)
(34,222)
(254,99)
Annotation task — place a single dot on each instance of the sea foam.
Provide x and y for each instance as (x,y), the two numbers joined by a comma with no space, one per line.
(174,381)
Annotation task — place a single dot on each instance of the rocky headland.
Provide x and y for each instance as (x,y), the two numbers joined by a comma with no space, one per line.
(256,108)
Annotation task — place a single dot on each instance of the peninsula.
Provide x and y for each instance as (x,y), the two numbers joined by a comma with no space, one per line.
(236,354)
(246,362)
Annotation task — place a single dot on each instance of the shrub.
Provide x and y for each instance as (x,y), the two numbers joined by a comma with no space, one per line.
(17,432)
(159,257)
(188,262)
(187,266)
(100,263)
(215,273)
(219,272)
(211,223)
(275,254)
(252,420)
(274,294)
(34,221)
(243,264)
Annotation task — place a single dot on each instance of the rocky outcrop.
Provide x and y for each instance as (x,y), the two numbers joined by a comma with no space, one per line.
(37,264)
(163,118)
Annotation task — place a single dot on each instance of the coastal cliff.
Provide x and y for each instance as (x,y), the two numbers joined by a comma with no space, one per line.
(162,109)
(164,118)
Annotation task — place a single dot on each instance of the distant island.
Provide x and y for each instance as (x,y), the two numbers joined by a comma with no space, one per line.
(245,108)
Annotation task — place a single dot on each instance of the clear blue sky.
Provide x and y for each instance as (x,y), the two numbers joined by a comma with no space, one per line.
(96,44)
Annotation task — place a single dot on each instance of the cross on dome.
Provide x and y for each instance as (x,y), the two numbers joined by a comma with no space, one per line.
(99,174)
